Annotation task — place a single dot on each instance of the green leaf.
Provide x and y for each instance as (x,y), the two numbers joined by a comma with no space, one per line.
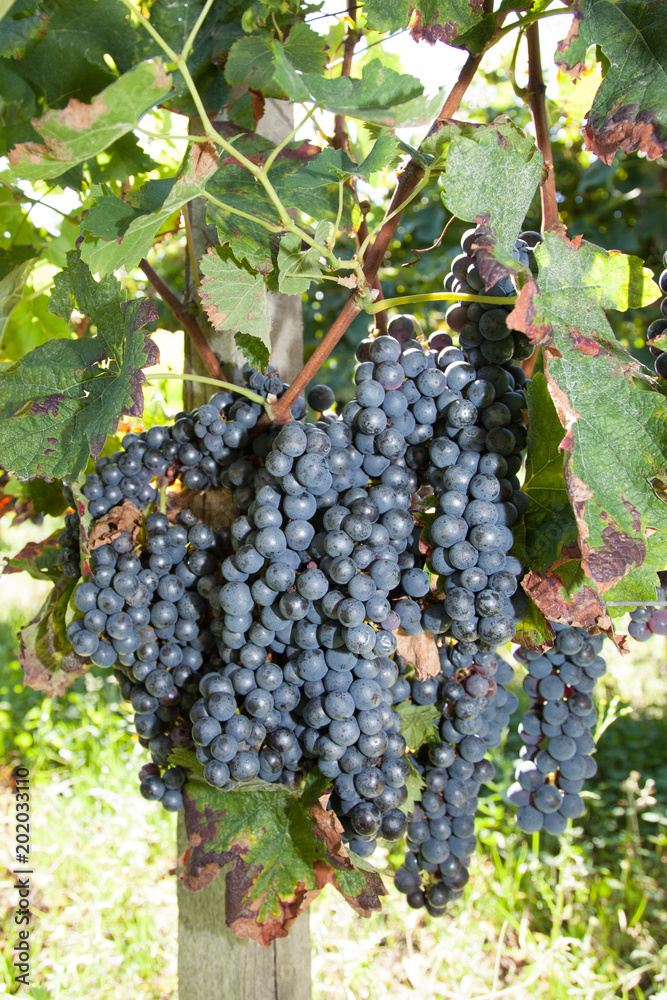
(491,174)
(629,110)
(614,416)
(39,559)
(124,158)
(461,23)
(33,498)
(15,266)
(297,267)
(548,525)
(534,632)
(414,785)
(30,325)
(576,283)
(387,15)
(305,49)
(19,35)
(253,60)
(59,402)
(237,189)
(280,846)
(318,186)
(121,234)
(418,724)
(79,131)
(381,95)
(48,661)
(254,350)
(235,299)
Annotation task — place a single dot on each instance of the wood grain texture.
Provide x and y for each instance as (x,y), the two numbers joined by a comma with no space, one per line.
(213,964)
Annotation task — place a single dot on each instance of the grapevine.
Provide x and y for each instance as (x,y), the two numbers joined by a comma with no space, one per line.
(339,635)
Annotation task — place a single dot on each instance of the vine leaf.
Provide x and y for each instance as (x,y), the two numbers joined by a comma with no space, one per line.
(297,267)
(39,559)
(387,15)
(26,500)
(79,131)
(461,23)
(121,234)
(59,402)
(609,463)
(534,632)
(418,723)
(490,176)
(252,59)
(629,111)
(15,266)
(236,299)
(48,661)
(414,786)
(252,238)
(381,95)
(317,184)
(283,848)
(576,283)
(546,539)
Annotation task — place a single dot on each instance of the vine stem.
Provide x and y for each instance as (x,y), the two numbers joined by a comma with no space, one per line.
(404,300)
(240,389)
(536,91)
(281,409)
(189,322)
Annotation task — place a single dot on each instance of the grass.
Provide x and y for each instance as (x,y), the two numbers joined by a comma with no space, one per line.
(583,919)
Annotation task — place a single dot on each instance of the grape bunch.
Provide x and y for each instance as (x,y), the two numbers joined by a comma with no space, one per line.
(268,646)
(475,708)
(556,730)
(657,329)
(194,449)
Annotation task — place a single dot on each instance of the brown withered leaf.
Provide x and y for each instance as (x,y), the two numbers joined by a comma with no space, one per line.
(583,608)
(420,650)
(280,848)
(124,517)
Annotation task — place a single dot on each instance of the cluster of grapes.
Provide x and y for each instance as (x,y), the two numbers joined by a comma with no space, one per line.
(647,620)
(195,448)
(475,707)
(475,457)
(556,730)
(657,329)
(142,614)
(268,646)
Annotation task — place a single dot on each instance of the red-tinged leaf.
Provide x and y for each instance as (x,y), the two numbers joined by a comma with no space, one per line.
(48,661)
(39,559)
(628,110)
(283,848)
(559,601)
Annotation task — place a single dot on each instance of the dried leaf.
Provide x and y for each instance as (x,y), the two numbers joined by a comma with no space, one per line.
(421,650)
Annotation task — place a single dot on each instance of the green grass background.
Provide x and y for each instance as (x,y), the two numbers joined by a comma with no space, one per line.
(585,918)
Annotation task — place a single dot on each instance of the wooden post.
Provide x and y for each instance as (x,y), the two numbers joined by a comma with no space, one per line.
(213,964)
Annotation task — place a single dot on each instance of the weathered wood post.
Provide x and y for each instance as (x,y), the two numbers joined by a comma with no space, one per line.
(213,964)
